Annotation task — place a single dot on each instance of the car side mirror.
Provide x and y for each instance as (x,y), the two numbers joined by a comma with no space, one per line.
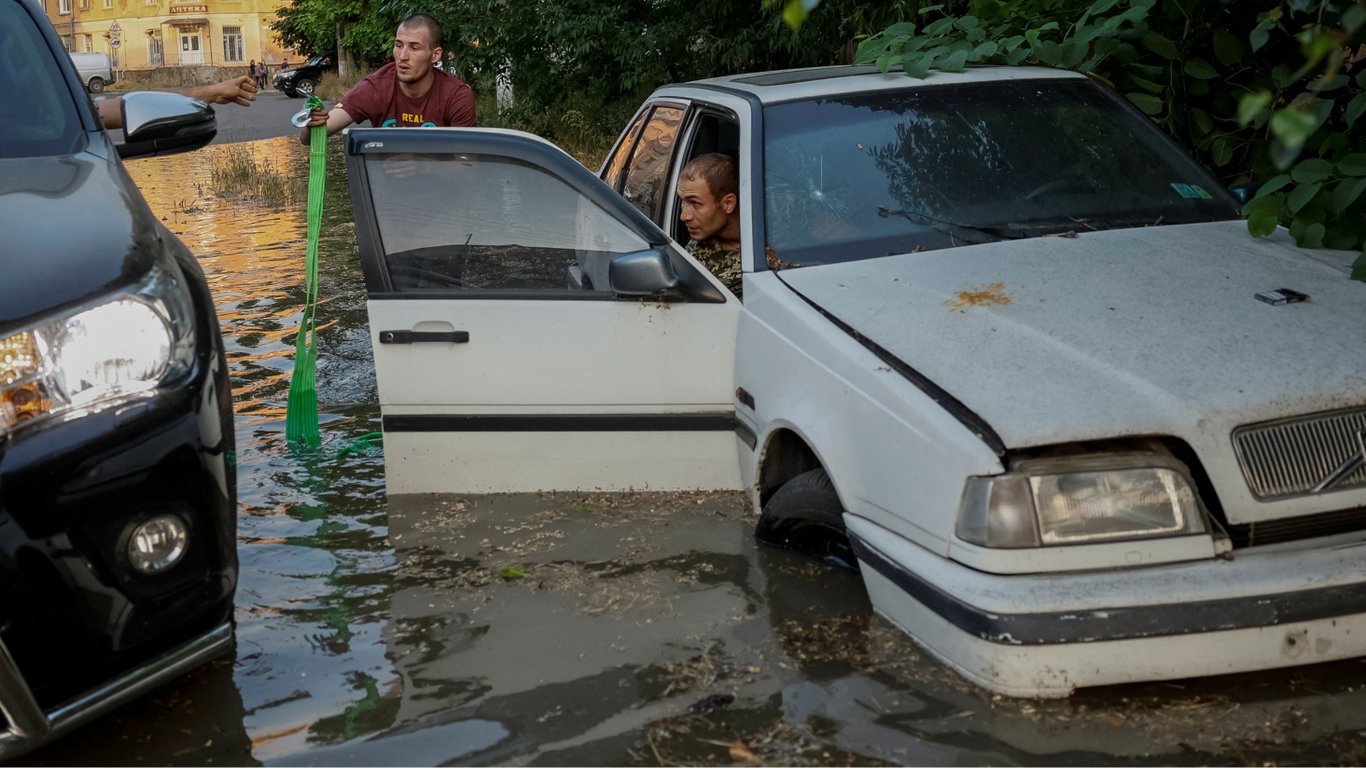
(644,273)
(158,123)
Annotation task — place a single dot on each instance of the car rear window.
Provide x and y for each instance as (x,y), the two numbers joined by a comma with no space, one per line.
(39,116)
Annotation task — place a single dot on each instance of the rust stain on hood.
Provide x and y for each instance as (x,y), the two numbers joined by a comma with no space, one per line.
(991,294)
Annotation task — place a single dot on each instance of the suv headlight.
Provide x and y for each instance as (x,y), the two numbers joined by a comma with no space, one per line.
(1080,500)
(110,351)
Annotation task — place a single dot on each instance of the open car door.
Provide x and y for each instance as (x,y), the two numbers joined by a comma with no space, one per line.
(532,330)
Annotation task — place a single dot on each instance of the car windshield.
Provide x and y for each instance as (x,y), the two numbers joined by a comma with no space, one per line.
(39,117)
(870,174)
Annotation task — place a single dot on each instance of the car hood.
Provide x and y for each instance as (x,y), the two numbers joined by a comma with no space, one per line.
(74,227)
(1151,331)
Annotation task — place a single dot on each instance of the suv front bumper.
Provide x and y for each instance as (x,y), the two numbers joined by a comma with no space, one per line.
(78,623)
(30,726)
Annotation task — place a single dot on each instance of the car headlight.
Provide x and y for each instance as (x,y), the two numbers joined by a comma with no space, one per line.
(106,352)
(1080,500)
(288,74)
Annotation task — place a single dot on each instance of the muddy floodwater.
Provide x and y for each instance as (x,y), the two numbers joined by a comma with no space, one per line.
(574,629)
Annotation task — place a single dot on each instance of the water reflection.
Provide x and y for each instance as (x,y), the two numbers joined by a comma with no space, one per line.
(575,629)
(312,534)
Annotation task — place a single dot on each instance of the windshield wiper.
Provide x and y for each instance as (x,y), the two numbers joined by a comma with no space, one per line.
(966,232)
(1086,223)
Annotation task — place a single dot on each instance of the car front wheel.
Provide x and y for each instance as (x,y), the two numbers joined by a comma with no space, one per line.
(805,514)
(96,85)
(304,87)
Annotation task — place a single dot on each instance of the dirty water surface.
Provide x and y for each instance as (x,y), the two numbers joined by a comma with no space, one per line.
(570,628)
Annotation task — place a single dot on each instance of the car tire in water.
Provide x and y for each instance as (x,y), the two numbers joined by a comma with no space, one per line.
(96,85)
(805,514)
(304,87)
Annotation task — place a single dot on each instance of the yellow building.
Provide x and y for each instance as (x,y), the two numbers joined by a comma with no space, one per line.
(147,34)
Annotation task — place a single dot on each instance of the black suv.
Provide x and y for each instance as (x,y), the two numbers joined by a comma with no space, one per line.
(297,82)
(118,558)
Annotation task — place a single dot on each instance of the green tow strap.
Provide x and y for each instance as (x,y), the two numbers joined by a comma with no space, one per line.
(301,415)
(362,445)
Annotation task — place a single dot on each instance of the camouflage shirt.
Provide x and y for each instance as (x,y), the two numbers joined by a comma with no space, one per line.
(720,261)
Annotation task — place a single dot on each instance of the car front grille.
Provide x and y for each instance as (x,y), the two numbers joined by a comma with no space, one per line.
(1293,457)
(1297,528)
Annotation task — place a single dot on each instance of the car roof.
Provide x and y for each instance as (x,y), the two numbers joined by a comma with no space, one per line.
(792,84)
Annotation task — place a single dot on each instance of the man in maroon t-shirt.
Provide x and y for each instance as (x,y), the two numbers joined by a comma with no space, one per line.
(409,92)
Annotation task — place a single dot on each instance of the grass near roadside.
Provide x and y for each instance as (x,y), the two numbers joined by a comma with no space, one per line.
(240,175)
(586,140)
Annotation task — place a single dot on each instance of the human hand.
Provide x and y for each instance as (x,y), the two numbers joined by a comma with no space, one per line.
(239,90)
(316,118)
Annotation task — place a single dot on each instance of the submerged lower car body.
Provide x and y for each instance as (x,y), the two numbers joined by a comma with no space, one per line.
(118,557)
(1047,635)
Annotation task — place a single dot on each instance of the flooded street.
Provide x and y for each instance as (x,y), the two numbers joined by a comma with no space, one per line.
(573,629)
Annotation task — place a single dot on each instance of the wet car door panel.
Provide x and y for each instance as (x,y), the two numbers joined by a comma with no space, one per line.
(487,266)
(417,337)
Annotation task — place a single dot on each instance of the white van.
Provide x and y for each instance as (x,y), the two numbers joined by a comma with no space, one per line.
(94,70)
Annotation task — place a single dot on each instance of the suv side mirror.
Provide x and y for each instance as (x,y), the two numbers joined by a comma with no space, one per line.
(157,123)
(644,273)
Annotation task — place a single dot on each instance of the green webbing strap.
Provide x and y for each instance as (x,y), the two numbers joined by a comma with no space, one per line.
(362,445)
(301,415)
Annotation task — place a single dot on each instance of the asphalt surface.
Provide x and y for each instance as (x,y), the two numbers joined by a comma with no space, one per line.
(266,118)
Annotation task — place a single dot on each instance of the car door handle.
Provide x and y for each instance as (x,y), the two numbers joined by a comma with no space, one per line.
(413,337)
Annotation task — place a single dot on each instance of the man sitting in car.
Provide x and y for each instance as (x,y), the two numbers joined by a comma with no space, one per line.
(709,206)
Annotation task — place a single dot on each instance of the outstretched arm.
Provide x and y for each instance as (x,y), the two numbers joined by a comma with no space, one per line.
(335,120)
(236,90)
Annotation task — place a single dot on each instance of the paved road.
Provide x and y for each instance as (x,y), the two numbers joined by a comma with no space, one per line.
(267,118)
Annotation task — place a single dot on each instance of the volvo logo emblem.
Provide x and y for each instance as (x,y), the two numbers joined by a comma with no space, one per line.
(1347,467)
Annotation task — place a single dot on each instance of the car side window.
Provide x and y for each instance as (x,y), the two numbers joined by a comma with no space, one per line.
(708,131)
(615,167)
(442,230)
(649,165)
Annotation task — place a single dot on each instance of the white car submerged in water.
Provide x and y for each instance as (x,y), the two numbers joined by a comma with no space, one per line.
(1001,341)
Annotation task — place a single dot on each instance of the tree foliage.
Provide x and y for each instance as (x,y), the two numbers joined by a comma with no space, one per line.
(1269,91)
(598,58)
(366,26)
(578,65)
